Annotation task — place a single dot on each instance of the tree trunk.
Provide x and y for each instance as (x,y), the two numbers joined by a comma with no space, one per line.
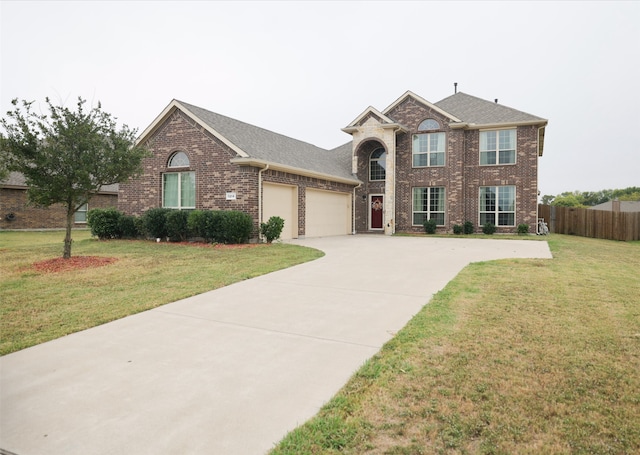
(67,239)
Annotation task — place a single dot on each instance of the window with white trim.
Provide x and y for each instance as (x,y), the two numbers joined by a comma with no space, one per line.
(377,164)
(498,205)
(428,204)
(428,149)
(497,147)
(81,214)
(179,188)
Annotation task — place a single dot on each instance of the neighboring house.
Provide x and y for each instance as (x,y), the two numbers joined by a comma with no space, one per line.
(618,206)
(461,159)
(16,213)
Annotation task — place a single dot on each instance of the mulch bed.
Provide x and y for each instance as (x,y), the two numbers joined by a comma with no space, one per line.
(73,263)
(84,262)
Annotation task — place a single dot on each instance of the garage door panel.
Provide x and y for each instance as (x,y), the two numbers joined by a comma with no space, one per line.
(327,213)
(282,201)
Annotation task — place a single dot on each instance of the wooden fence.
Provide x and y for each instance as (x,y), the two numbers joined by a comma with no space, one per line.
(598,224)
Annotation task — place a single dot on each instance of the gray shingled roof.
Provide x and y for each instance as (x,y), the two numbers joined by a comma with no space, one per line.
(17,180)
(482,112)
(272,147)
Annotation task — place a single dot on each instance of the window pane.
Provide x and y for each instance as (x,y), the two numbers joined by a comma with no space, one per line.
(419,143)
(420,160)
(506,201)
(487,140)
(429,124)
(377,164)
(438,217)
(506,219)
(507,139)
(487,199)
(170,190)
(419,218)
(487,157)
(487,218)
(507,156)
(179,159)
(437,159)
(187,190)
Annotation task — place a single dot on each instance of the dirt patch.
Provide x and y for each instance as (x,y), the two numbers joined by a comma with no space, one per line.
(73,263)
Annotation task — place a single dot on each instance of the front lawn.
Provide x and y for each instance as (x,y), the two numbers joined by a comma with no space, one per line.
(38,305)
(512,357)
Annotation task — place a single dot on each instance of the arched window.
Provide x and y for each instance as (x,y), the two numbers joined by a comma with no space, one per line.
(377,164)
(429,124)
(179,187)
(179,159)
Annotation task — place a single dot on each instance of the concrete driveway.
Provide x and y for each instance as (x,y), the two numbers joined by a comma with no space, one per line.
(230,371)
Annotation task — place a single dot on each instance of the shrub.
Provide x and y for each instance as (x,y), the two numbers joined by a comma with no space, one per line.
(195,223)
(272,229)
(457,229)
(104,223)
(155,222)
(467,227)
(128,227)
(430,226)
(236,227)
(176,224)
(214,226)
(489,228)
(523,228)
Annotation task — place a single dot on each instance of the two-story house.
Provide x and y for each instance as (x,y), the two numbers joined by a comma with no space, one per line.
(460,159)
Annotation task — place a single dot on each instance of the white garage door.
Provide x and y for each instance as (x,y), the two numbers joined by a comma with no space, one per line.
(282,201)
(327,213)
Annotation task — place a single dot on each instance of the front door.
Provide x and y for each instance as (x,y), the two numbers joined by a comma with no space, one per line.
(376,208)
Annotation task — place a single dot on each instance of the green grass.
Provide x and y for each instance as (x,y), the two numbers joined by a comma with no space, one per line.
(37,307)
(513,356)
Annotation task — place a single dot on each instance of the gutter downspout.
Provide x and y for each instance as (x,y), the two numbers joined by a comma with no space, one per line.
(353,210)
(260,200)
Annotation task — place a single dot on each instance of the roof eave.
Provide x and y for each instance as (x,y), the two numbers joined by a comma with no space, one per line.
(248,161)
(483,126)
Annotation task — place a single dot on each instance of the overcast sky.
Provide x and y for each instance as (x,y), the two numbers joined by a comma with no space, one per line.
(307,69)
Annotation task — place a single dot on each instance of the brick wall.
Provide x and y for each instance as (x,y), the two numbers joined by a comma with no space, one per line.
(208,157)
(462,176)
(30,217)
(215,175)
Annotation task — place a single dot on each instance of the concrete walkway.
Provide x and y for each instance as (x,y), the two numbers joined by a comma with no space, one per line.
(230,371)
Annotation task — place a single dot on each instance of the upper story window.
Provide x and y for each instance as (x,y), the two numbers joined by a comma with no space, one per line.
(377,164)
(428,149)
(179,159)
(498,147)
(429,124)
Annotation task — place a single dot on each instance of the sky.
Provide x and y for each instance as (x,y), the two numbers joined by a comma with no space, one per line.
(307,69)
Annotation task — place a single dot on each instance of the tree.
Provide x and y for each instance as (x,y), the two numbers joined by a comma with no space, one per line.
(67,156)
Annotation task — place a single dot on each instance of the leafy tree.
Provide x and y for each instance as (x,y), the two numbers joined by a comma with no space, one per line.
(67,156)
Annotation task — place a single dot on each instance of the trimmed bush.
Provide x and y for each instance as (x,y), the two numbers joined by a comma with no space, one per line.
(128,227)
(155,222)
(195,223)
(236,227)
(523,228)
(489,228)
(176,224)
(272,229)
(104,223)
(467,227)
(457,229)
(430,226)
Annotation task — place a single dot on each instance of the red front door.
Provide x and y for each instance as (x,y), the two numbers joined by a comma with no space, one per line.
(376,207)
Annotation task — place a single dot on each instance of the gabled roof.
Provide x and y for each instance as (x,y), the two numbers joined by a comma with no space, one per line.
(435,107)
(478,112)
(370,111)
(625,206)
(260,147)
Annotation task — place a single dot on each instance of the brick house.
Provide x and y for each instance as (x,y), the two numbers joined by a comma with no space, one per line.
(17,213)
(461,159)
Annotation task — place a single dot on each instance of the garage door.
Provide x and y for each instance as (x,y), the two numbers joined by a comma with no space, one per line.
(282,201)
(327,213)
